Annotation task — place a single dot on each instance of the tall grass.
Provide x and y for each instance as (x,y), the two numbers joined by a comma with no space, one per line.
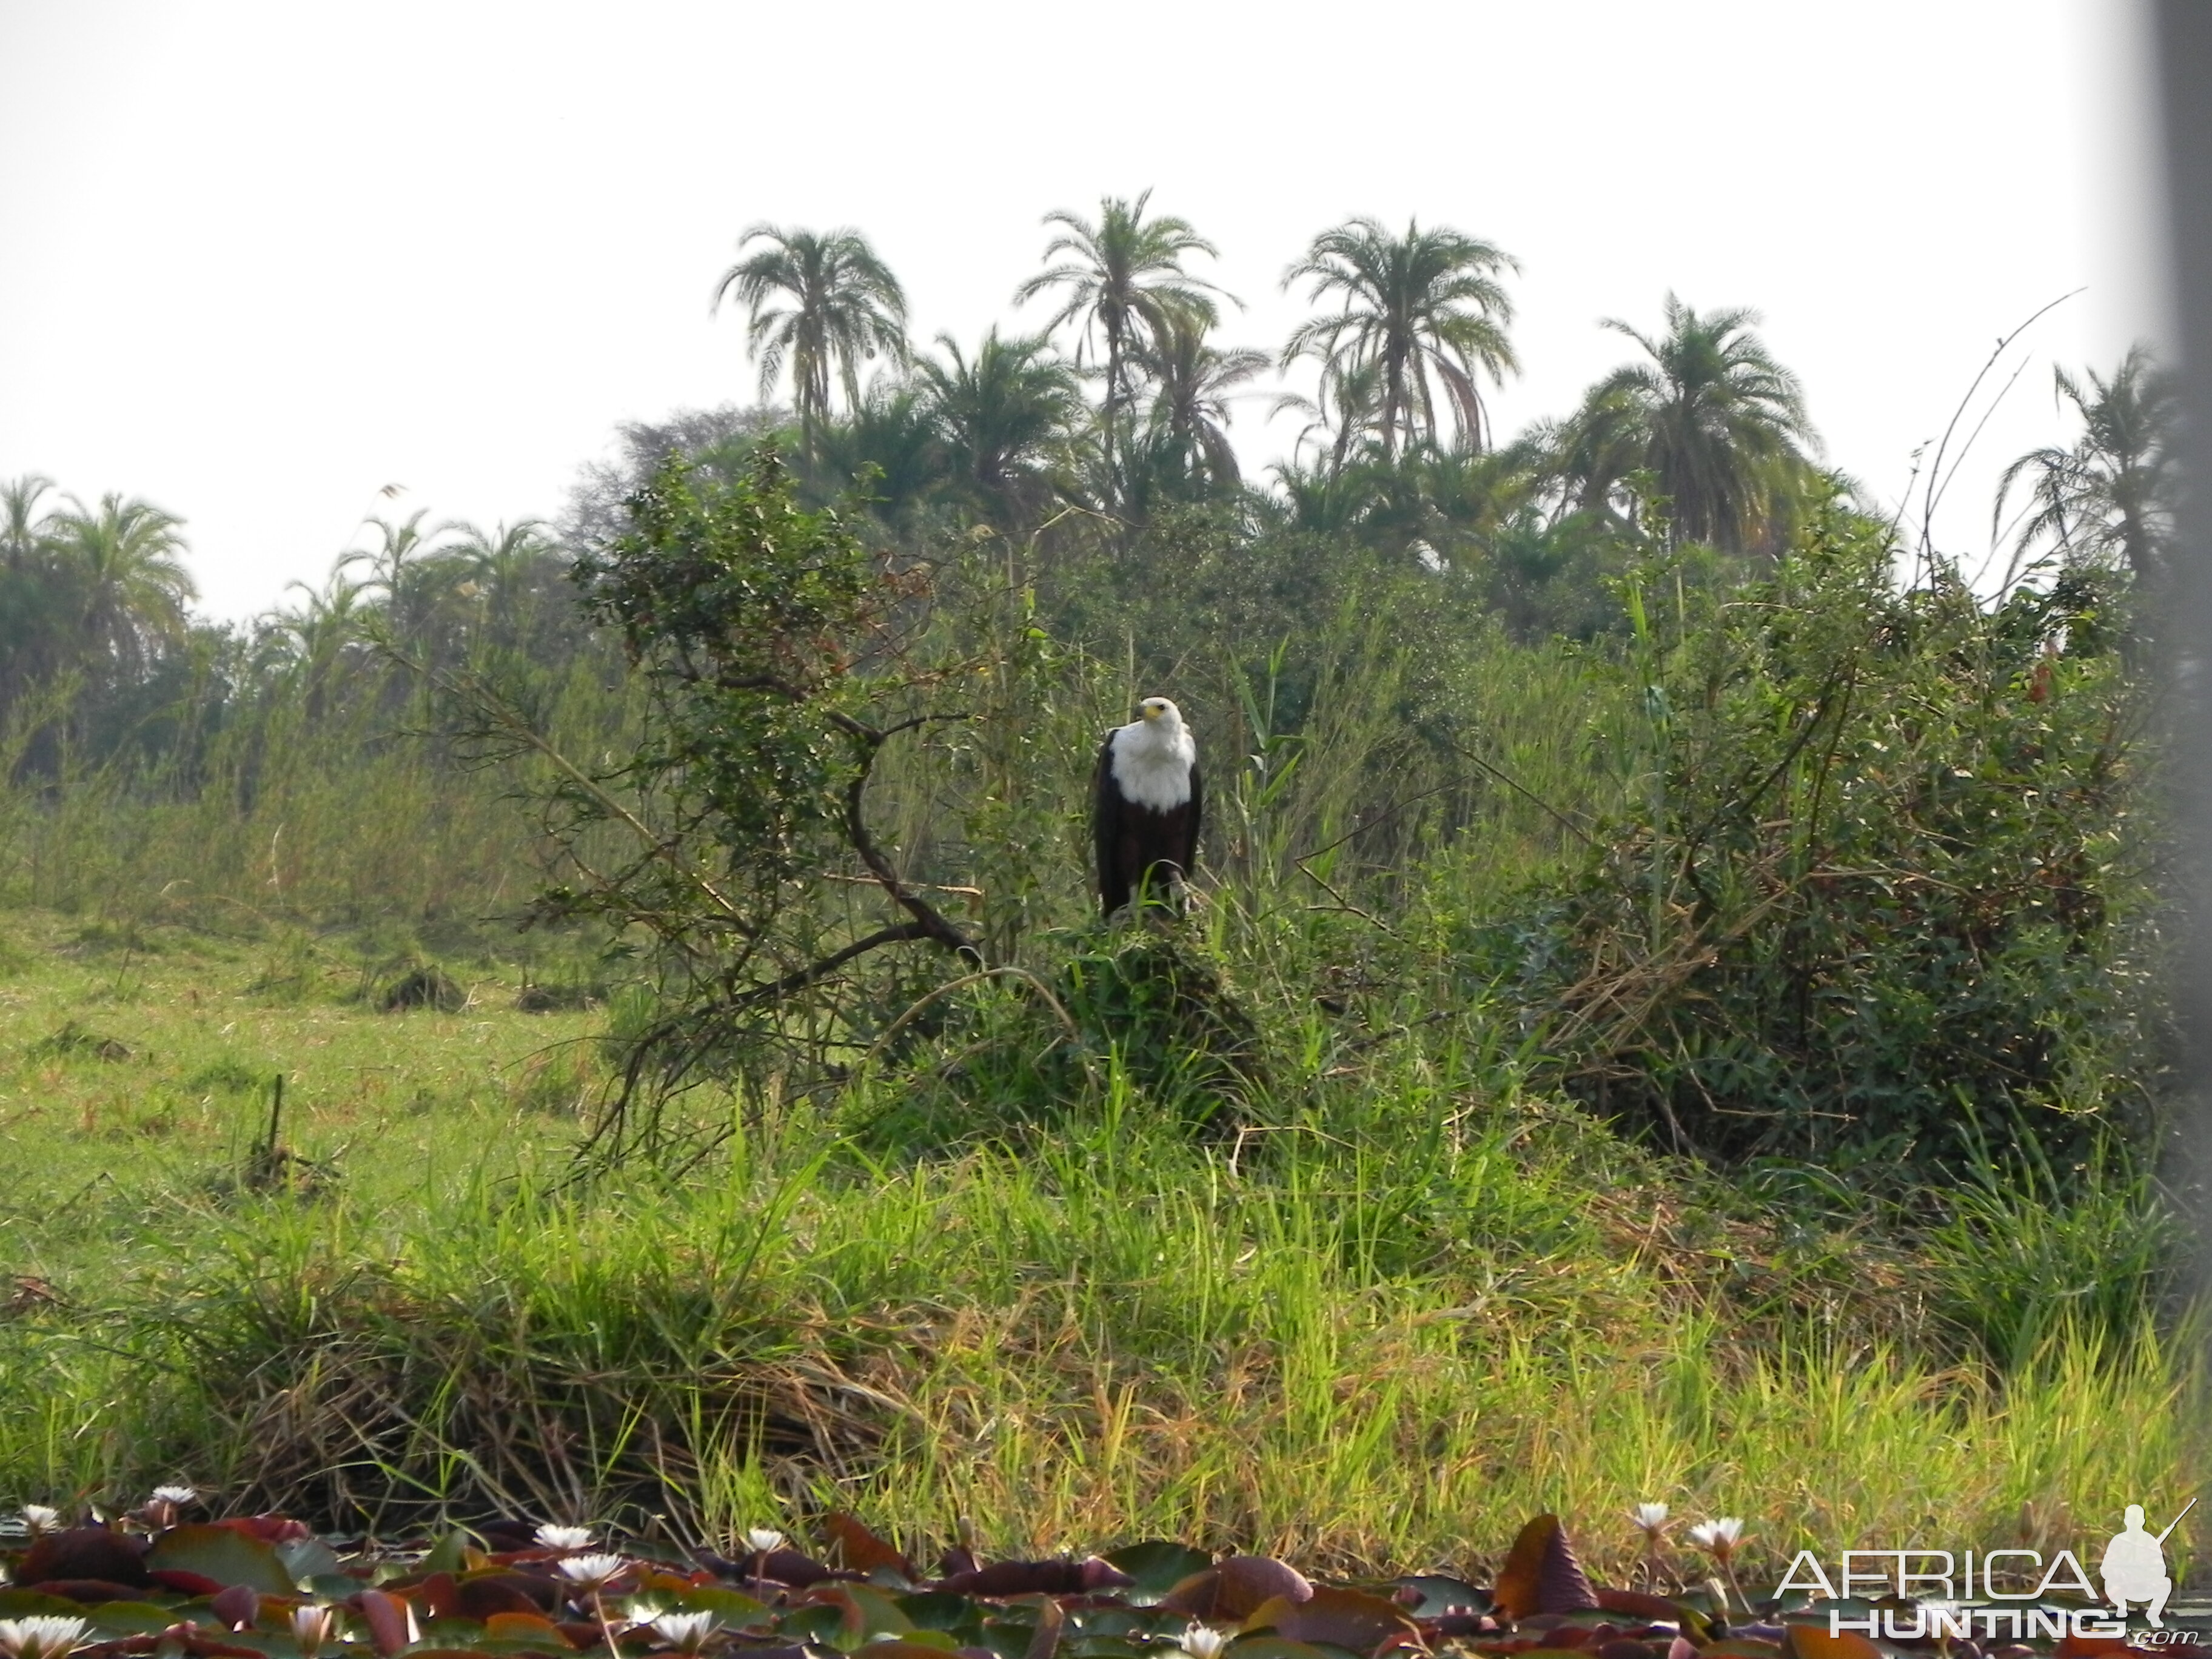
(1125,1339)
(1379,1331)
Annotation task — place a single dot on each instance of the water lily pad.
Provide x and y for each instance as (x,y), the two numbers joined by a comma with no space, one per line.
(898,1649)
(1342,1618)
(128,1618)
(1277,1647)
(1439,1593)
(449,1554)
(532,1628)
(1234,1588)
(738,1609)
(1102,1647)
(226,1556)
(1541,1575)
(1156,1565)
(863,1551)
(31,1604)
(935,1610)
(84,1553)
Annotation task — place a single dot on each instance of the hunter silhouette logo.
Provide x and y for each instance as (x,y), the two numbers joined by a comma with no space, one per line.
(2134,1567)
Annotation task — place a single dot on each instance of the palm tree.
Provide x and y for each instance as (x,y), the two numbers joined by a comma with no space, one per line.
(36,619)
(1003,416)
(1123,272)
(1424,312)
(509,576)
(1717,423)
(1336,419)
(1323,500)
(888,450)
(816,300)
(25,531)
(506,562)
(122,561)
(1193,383)
(407,567)
(309,644)
(2111,497)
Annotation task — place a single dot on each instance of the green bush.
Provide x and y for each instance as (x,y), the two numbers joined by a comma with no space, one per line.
(1878,872)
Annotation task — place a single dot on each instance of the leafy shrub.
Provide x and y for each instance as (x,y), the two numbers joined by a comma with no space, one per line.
(1137,1010)
(1165,1007)
(423,987)
(1877,872)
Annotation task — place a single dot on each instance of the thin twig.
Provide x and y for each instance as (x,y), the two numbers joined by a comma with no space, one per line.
(1937,482)
(1526,793)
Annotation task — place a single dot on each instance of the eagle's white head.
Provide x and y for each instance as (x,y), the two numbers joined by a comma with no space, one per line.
(1153,754)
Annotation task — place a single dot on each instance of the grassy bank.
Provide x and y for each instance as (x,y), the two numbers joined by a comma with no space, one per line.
(1383,1329)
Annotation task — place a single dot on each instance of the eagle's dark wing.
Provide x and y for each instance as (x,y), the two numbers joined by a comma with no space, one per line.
(1106,831)
(1188,852)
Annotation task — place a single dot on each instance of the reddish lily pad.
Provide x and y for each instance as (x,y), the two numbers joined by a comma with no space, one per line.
(532,1627)
(1541,1575)
(85,1553)
(1037,1578)
(482,1594)
(1341,1617)
(1236,1587)
(863,1551)
(391,1621)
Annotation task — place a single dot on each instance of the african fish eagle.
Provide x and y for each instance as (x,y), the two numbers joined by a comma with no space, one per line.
(1147,805)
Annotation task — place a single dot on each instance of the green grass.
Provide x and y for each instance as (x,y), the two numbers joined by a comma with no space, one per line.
(113,1156)
(1382,1331)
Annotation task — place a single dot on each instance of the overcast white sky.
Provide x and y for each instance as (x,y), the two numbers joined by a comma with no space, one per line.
(261,260)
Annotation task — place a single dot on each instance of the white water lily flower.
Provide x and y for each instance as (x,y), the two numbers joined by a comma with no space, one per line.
(179,1496)
(589,1572)
(764,1539)
(40,1517)
(1202,1641)
(564,1538)
(1652,1518)
(686,1630)
(43,1636)
(1719,1537)
(311,1628)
